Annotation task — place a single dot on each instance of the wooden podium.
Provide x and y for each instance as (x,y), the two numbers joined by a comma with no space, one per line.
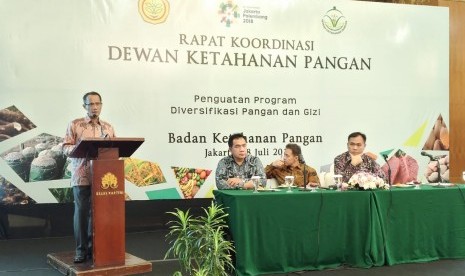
(108,198)
(108,201)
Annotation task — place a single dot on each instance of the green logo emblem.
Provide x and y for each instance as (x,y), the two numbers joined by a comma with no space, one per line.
(334,21)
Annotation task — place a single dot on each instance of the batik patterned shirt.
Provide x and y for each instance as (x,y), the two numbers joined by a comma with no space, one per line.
(298,172)
(344,167)
(78,129)
(228,168)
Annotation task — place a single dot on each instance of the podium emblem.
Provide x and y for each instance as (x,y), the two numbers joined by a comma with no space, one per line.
(109,180)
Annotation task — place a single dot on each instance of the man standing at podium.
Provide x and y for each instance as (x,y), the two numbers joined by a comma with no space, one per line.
(89,126)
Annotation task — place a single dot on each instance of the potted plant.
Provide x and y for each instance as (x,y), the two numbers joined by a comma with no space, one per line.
(199,243)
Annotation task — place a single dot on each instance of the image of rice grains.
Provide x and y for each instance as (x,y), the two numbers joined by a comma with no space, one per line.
(142,173)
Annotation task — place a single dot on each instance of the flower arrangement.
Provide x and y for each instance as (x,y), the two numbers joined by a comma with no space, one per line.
(366,181)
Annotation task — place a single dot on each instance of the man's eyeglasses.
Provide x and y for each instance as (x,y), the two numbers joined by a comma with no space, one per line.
(93,104)
(355,144)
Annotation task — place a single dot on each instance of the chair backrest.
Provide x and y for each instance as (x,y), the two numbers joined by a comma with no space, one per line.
(326,178)
(272,183)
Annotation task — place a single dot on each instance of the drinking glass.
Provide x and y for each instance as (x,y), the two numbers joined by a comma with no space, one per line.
(242,178)
(313,188)
(289,181)
(256,182)
(338,182)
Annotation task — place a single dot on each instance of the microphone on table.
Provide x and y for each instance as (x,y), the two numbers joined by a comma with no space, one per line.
(385,157)
(424,153)
(302,161)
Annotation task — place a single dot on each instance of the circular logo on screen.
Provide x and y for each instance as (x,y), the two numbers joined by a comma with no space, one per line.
(154,11)
(109,180)
(334,21)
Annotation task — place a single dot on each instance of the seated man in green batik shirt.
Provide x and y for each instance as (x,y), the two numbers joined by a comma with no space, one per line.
(236,170)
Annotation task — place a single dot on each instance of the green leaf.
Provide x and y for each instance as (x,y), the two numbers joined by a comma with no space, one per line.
(199,243)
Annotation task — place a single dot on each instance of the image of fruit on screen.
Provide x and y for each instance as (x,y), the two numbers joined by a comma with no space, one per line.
(190,180)
(438,138)
(438,171)
(404,168)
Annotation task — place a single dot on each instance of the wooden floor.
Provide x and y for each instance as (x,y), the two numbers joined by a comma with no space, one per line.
(25,257)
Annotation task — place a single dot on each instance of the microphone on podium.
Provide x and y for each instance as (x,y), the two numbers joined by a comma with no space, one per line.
(103,134)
